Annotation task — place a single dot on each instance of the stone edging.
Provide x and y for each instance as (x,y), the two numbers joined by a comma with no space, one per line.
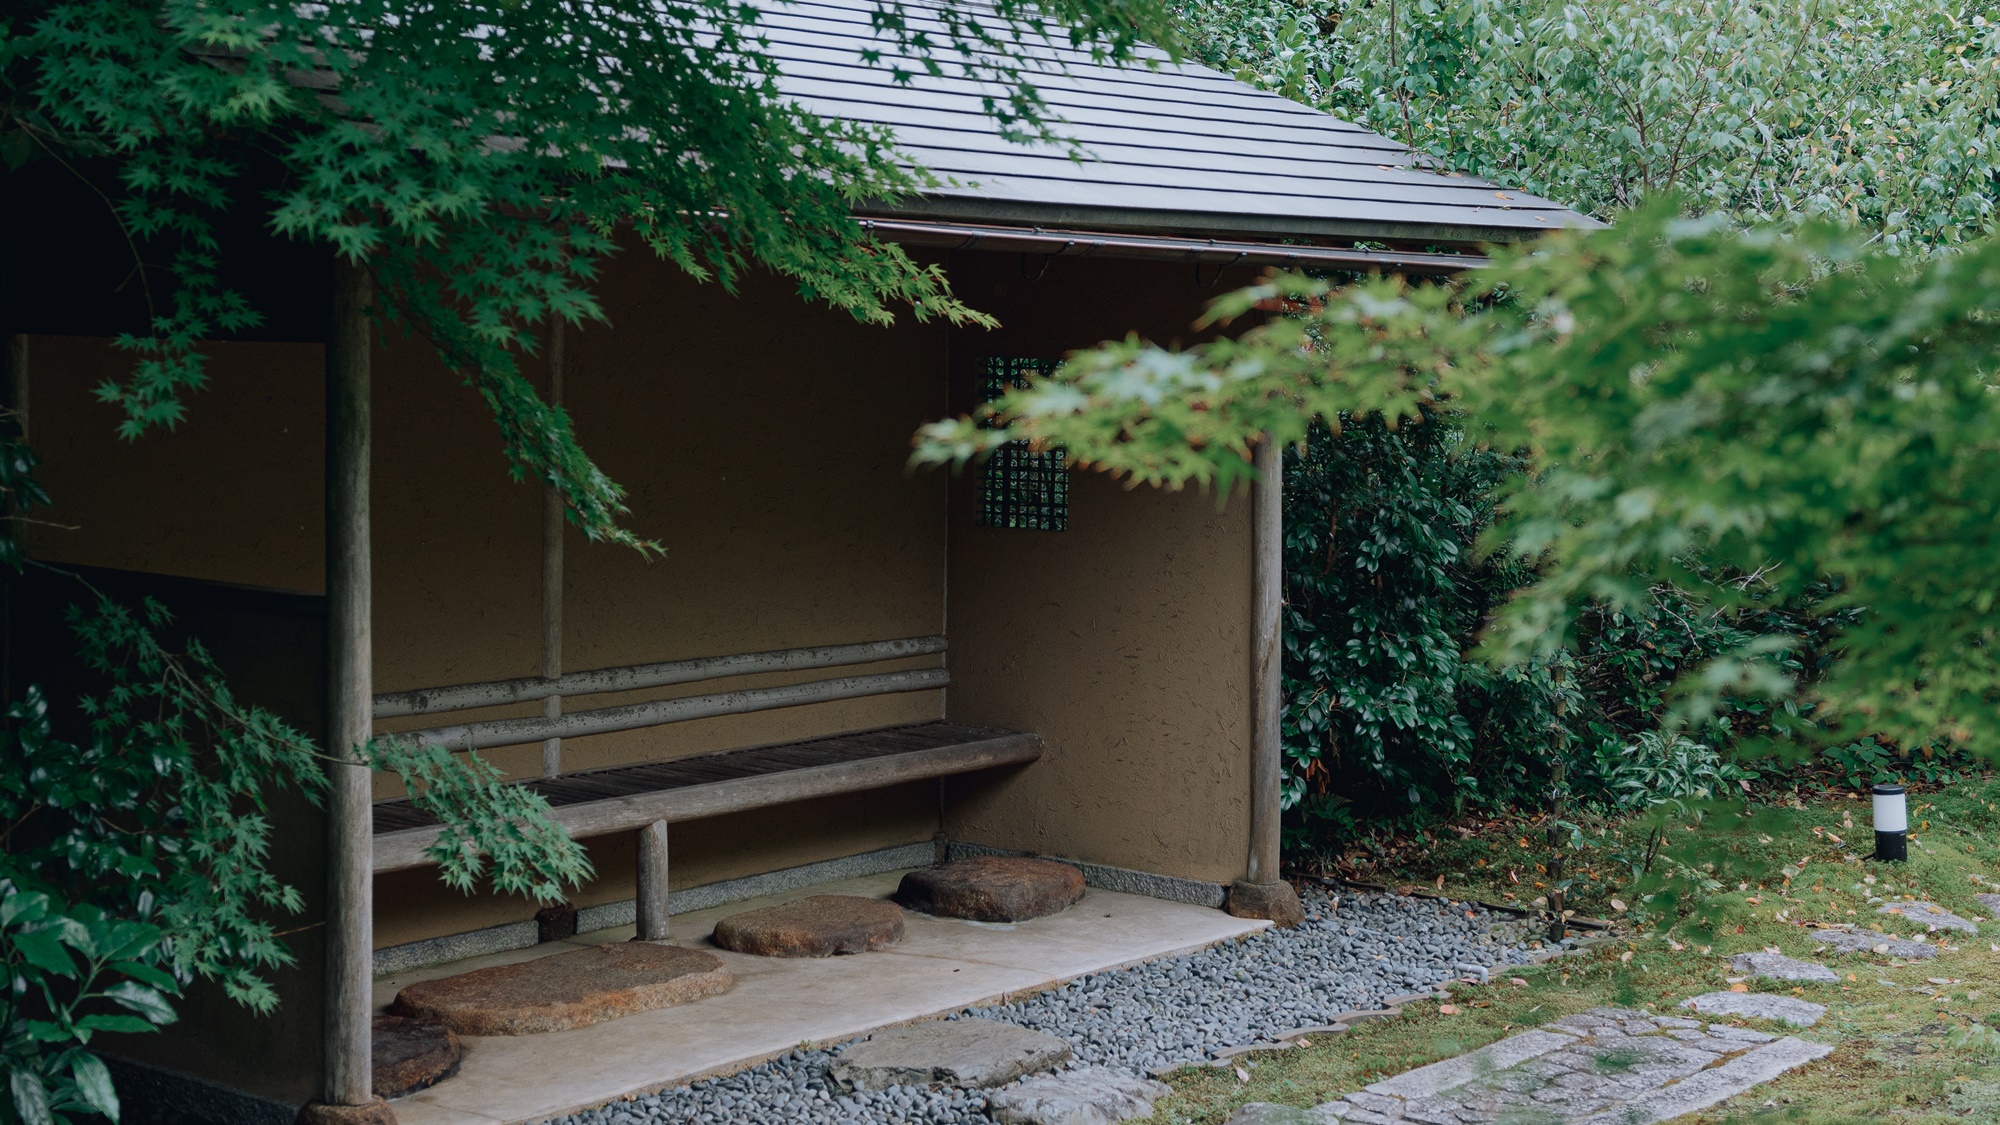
(521,935)
(1171,888)
(604,916)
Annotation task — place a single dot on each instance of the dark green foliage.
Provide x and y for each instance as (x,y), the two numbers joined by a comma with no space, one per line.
(1382,593)
(1392,721)
(484,159)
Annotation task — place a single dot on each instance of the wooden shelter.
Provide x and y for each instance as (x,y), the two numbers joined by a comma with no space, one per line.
(839,663)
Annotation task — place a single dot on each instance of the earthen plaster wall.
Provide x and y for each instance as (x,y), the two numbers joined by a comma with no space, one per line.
(763,443)
(1124,640)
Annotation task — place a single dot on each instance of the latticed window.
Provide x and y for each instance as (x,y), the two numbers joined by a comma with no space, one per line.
(1023,488)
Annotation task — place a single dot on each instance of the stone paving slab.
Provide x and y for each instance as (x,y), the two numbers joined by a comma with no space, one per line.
(1090,1095)
(1930,914)
(967,1052)
(1758,1005)
(778,1002)
(1868,941)
(1606,1066)
(1777,966)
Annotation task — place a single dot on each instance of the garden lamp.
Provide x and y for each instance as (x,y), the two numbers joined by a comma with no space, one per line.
(1892,824)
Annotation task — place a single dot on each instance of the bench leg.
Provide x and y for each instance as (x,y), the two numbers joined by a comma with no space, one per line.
(652,919)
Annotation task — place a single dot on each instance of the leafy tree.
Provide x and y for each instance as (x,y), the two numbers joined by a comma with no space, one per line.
(1881,114)
(1700,404)
(481,160)
(1878,112)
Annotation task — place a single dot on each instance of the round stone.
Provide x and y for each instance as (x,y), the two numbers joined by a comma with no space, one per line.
(992,888)
(566,990)
(412,1054)
(819,926)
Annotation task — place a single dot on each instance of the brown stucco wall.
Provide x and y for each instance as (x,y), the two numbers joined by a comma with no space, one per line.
(763,443)
(1124,640)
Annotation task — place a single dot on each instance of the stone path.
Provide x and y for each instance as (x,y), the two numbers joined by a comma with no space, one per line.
(1868,941)
(1602,1067)
(1772,965)
(1930,915)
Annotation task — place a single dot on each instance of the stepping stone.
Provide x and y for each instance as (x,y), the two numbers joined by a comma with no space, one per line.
(1605,1067)
(1868,941)
(1777,966)
(1086,1096)
(1991,903)
(993,888)
(566,990)
(1758,1005)
(411,1055)
(1265,1113)
(1277,902)
(1930,914)
(968,1052)
(819,926)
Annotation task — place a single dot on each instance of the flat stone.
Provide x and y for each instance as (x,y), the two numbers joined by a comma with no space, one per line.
(967,1052)
(993,888)
(1266,1113)
(819,926)
(1705,1088)
(567,990)
(411,1055)
(1758,1005)
(376,1112)
(1930,914)
(1449,1074)
(1991,903)
(1867,941)
(1723,1033)
(1276,902)
(1086,1096)
(1777,966)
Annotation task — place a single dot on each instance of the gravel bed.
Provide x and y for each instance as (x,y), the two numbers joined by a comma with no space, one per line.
(1174,1010)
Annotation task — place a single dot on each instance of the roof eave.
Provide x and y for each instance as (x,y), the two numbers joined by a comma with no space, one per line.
(1521,227)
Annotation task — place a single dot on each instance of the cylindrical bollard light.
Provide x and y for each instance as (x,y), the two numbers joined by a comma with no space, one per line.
(1892,824)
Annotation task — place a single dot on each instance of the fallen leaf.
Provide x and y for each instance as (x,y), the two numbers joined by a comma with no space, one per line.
(1517,982)
(1447,1009)
(1242,1075)
(1625,958)
(1739,988)
(1618,905)
(1305,1042)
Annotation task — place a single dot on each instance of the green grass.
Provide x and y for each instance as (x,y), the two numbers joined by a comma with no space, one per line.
(1907,1051)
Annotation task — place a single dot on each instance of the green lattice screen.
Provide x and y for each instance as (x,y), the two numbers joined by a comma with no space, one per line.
(1022,488)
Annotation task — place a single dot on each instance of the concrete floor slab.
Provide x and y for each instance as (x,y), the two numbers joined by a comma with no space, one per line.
(779,1003)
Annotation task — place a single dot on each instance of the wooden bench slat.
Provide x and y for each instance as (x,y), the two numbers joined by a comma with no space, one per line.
(623,798)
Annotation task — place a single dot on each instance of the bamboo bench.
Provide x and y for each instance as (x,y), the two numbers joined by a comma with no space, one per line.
(645,797)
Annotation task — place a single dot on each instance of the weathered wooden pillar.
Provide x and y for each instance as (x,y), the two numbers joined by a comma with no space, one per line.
(552,572)
(348,1095)
(1262,893)
(652,890)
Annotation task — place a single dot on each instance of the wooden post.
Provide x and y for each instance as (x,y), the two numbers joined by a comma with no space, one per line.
(1263,893)
(1266,755)
(552,573)
(652,897)
(350,696)
(17,376)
